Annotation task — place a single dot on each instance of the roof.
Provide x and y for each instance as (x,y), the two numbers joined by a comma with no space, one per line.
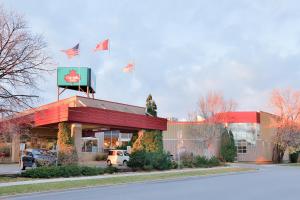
(90,111)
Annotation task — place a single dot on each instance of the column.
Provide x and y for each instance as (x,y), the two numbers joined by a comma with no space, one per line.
(76,132)
(15,147)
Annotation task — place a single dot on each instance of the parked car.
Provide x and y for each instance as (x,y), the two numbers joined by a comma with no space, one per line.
(117,157)
(37,157)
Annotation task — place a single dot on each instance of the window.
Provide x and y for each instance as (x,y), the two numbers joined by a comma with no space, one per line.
(241,146)
(90,144)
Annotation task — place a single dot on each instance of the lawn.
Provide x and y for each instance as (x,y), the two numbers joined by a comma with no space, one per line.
(5,179)
(294,164)
(12,190)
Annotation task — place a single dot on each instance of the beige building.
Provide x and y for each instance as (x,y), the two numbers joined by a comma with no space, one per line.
(252,132)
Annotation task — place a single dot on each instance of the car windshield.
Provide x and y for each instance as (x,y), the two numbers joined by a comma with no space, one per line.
(40,152)
(112,153)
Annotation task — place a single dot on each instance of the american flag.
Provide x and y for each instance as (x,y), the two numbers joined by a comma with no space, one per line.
(72,52)
(128,68)
(102,46)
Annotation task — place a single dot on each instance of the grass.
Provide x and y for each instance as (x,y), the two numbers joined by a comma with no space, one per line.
(294,164)
(43,187)
(5,179)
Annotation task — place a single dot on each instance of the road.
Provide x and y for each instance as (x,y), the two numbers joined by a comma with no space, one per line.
(270,183)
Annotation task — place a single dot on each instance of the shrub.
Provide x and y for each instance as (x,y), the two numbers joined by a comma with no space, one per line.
(65,171)
(187,160)
(294,157)
(110,170)
(5,151)
(100,157)
(214,161)
(191,161)
(67,158)
(201,161)
(149,160)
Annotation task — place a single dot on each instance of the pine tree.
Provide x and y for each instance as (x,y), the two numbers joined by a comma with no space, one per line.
(151,107)
(228,149)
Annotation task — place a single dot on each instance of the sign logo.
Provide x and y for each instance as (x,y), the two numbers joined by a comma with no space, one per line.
(72,77)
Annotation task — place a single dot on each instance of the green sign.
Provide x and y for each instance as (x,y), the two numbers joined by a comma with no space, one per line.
(76,77)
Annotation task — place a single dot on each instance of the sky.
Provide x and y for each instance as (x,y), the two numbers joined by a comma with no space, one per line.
(181,49)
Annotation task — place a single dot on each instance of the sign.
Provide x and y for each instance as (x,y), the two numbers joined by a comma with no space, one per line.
(76,77)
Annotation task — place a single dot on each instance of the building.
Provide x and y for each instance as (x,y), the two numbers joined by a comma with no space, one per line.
(252,132)
(97,125)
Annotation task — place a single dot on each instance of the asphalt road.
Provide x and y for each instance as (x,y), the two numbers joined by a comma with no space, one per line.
(269,183)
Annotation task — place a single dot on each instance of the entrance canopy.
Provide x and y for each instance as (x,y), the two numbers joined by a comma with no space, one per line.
(95,113)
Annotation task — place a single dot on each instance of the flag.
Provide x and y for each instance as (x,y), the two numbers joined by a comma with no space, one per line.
(102,46)
(72,52)
(128,68)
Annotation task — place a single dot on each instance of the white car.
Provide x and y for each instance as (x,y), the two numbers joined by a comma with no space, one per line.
(117,157)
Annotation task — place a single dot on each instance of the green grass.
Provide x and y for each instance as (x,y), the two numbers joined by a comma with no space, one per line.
(4,179)
(13,190)
(294,164)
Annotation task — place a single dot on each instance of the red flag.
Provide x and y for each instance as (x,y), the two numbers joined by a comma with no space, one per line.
(102,46)
(128,68)
(72,52)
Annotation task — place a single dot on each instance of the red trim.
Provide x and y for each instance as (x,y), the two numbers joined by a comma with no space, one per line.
(98,116)
(237,117)
(227,117)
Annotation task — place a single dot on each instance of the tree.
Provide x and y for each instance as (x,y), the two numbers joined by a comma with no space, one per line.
(214,103)
(22,59)
(228,149)
(286,105)
(212,107)
(151,107)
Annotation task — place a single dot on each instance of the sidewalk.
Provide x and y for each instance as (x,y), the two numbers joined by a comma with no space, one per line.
(37,181)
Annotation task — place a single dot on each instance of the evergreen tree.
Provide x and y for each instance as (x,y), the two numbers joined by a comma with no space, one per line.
(151,107)
(228,149)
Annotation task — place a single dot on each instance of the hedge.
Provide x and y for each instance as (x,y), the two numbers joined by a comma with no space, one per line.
(66,171)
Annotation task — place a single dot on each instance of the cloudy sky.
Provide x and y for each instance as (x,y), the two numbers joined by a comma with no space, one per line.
(182,49)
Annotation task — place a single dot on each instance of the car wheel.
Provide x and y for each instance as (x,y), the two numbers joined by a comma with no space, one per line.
(125,163)
(108,163)
(34,165)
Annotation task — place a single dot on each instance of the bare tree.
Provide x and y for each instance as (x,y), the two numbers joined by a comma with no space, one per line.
(286,105)
(211,107)
(214,103)
(22,59)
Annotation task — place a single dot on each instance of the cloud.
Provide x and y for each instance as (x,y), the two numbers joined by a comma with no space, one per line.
(181,49)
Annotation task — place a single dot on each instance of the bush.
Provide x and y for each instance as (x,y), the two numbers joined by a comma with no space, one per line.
(214,161)
(65,171)
(67,158)
(187,160)
(5,151)
(100,157)
(190,161)
(110,170)
(149,160)
(294,157)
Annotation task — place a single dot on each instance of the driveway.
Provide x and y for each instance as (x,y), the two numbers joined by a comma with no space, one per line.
(270,182)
